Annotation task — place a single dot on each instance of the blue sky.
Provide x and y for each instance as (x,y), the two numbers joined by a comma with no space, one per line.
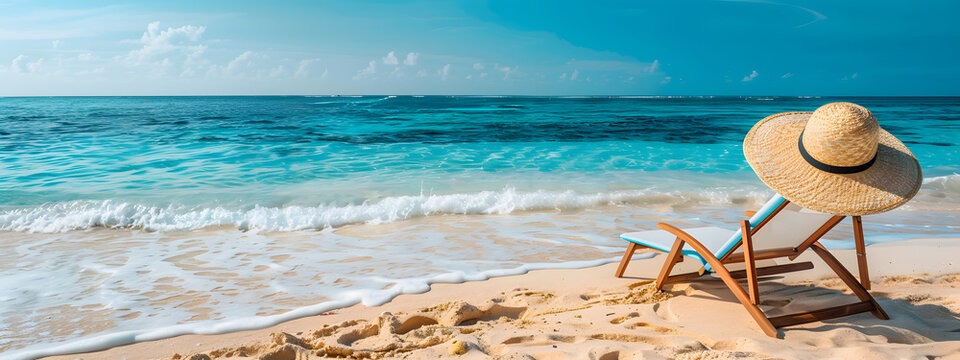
(738,47)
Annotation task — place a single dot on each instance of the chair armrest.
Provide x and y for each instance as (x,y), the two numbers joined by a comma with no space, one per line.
(694,243)
(674,230)
(682,235)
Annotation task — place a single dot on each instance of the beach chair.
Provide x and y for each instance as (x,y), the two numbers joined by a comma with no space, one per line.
(778,230)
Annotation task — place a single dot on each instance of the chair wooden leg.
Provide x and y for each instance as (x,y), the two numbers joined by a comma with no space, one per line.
(816,236)
(753,288)
(631,248)
(724,259)
(742,274)
(867,302)
(822,314)
(848,279)
(765,325)
(774,269)
(672,258)
(861,252)
(749,301)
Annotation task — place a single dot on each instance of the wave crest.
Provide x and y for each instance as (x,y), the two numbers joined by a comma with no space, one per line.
(944,184)
(88,214)
(81,215)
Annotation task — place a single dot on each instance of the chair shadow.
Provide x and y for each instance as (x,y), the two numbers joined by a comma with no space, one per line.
(922,322)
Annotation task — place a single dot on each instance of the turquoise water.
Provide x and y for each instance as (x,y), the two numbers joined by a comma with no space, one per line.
(177,156)
(132,218)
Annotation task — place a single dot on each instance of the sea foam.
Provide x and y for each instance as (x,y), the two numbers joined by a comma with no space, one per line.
(349,298)
(118,214)
(81,215)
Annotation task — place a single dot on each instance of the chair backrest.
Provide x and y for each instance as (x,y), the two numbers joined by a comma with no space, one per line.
(787,228)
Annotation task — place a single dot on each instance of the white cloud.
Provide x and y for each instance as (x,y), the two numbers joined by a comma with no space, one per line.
(563,76)
(468,77)
(422,73)
(411,59)
(56,43)
(507,71)
(483,75)
(35,65)
(574,75)
(478,66)
(194,61)
(654,66)
(157,42)
(247,64)
(444,71)
(666,80)
(390,59)
(17,64)
(303,70)
(367,72)
(172,49)
(753,75)
(21,64)
(851,77)
(82,64)
(786,76)
(324,75)
(244,61)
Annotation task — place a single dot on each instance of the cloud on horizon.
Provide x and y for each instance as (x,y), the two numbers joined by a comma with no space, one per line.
(411,59)
(390,59)
(141,48)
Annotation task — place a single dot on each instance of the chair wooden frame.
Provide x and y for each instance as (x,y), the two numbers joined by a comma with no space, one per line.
(750,297)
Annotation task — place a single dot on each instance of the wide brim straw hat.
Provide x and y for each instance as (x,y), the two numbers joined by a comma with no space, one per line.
(835,160)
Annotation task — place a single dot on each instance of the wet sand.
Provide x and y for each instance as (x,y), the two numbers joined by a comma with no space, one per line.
(587,313)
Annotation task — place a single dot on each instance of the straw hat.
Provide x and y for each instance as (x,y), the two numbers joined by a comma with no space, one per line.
(835,160)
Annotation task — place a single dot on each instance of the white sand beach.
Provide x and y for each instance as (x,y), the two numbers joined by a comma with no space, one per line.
(429,179)
(590,314)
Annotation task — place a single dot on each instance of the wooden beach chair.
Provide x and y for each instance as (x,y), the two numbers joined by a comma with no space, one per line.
(778,230)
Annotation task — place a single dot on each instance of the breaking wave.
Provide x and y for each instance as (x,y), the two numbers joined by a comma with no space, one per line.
(88,214)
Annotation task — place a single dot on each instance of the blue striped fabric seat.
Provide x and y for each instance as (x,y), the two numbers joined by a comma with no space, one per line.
(718,240)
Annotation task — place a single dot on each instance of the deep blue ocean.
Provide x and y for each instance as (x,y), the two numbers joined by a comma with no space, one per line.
(148,217)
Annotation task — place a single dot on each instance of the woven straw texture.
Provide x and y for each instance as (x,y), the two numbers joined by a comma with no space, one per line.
(838,136)
(841,134)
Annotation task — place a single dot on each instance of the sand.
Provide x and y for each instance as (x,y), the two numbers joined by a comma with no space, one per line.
(589,314)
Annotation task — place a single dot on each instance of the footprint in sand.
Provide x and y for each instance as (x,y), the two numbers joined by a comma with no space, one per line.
(413,323)
(655,328)
(518,340)
(626,317)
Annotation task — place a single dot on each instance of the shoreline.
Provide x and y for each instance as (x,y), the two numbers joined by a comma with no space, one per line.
(227,327)
(928,259)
